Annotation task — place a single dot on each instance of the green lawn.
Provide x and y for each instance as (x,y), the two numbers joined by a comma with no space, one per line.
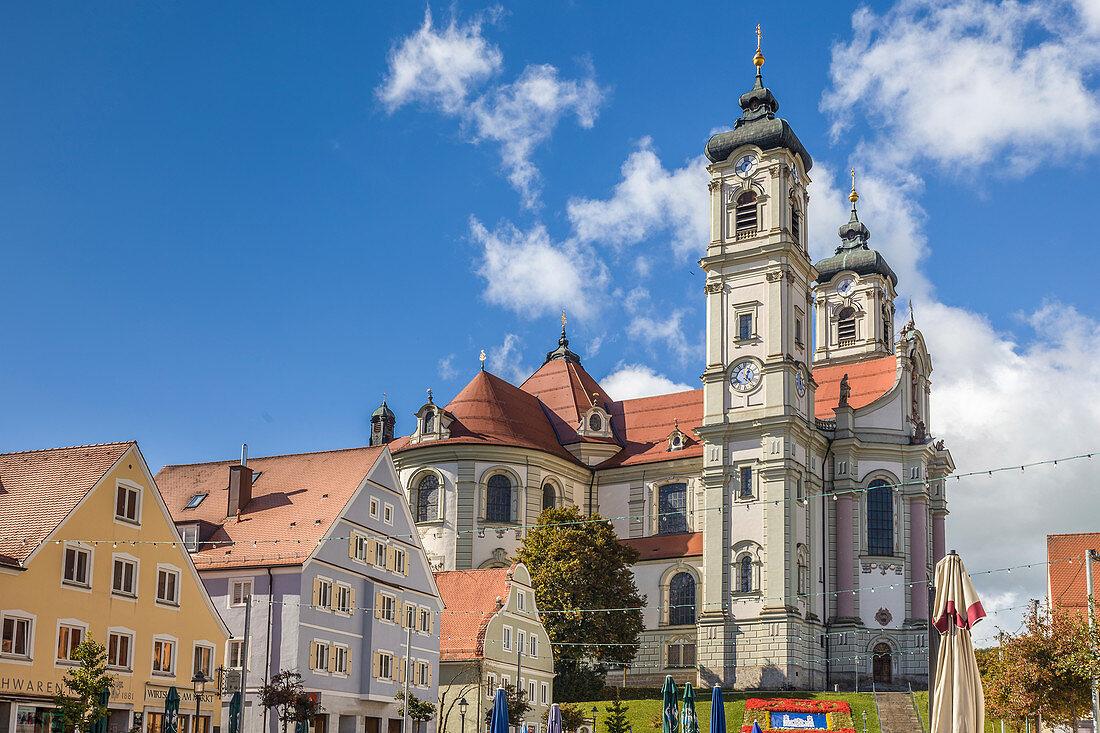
(643,714)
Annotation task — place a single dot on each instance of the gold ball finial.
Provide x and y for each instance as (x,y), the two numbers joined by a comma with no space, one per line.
(563,318)
(853,196)
(758,59)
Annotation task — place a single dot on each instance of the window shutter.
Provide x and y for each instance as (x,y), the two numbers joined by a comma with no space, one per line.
(431,622)
(347,661)
(429,669)
(378,605)
(375,664)
(332,659)
(352,602)
(401,670)
(370,552)
(351,544)
(313,655)
(405,565)
(316,591)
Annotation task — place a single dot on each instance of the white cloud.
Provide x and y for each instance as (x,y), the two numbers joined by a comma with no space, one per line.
(638,380)
(444,68)
(648,200)
(533,275)
(446,367)
(966,81)
(438,67)
(506,360)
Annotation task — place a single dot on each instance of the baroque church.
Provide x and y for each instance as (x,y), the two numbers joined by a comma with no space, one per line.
(788,513)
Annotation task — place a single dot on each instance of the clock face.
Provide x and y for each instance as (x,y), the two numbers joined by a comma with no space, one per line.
(745,376)
(845,286)
(745,165)
(800,382)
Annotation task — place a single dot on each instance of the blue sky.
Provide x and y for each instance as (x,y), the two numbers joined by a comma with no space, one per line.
(246,222)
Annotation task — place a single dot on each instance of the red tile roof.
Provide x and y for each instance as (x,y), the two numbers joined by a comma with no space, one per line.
(644,425)
(667,546)
(1065,579)
(470,600)
(39,488)
(491,411)
(868,380)
(567,390)
(295,500)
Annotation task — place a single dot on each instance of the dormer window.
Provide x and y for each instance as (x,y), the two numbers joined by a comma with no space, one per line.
(676,439)
(745,212)
(595,423)
(432,423)
(429,422)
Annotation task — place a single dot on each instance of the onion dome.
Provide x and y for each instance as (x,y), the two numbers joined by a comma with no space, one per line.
(853,253)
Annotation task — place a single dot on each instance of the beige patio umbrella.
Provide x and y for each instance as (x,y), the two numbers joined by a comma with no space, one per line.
(958,703)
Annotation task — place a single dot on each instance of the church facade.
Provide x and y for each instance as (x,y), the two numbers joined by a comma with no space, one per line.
(788,513)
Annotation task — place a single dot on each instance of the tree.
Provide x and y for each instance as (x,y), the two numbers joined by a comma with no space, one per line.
(78,705)
(615,717)
(578,564)
(286,694)
(1037,672)
(419,710)
(518,707)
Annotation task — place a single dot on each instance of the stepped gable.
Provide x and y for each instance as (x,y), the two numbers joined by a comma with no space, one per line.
(490,411)
(566,390)
(295,499)
(868,380)
(469,602)
(39,488)
(644,424)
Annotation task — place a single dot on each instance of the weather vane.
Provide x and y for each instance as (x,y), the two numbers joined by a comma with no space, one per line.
(429,394)
(758,59)
(482,359)
(563,318)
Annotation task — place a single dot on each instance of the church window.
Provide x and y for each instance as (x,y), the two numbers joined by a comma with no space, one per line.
(846,326)
(744,327)
(549,497)
(880,519)
(746,482)
(681,653)
(429,422)
(595,422)
(798,331)
(745,212)
(499,504)
(672,509)
(744,574)
(796,225)
(681,600)
(427,498)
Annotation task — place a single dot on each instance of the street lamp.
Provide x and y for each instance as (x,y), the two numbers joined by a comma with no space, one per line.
(595,712)
(462,707)
(199,683)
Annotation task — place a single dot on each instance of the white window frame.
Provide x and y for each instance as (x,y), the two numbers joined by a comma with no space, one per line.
(424,623)
(324,585)
(521,641)
(164,639)
(189,535)
(387,514)
(532,691)
(71,624)
(521,600)
(380,557)
(232,598)
(129,635)
(533,645)
(339,588)
(400,557)
(124,485)
(338,651)
(490,685)
(168,602)
(203,644)
(16,616)
(230,644)
(374,508)
(423,670)
(506,639)
(319,647)
(752,310)
(545,693)
(390,602)
(123,557)
(80,547)
(362,542)
(383,657)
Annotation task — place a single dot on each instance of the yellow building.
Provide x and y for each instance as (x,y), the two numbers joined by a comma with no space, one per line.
(87,547)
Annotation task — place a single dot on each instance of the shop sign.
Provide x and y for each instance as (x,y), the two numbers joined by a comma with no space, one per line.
(155,694)
(31,686)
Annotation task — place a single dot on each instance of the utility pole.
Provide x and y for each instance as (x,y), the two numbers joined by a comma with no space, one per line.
(409,618)
(1001,655)
(1091,555)
(244,653)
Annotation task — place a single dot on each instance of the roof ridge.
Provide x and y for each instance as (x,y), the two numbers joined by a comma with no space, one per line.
(656,396)
(69,447)
(231,461)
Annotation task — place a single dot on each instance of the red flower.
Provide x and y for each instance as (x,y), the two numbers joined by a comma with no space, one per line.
(791,705)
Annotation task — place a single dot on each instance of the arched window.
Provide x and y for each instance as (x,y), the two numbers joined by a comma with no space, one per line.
(745,212)
(549,497)
(498,507)
(744,574)
(846,326)
(880,519)
(796,225)
(672,509)
(595,422)
(427,498)
(429,422)
(681,600)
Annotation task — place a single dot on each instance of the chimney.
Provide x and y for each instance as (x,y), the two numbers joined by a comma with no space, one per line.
(240,485)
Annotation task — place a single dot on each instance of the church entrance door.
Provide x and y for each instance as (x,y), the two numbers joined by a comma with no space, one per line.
(881,665)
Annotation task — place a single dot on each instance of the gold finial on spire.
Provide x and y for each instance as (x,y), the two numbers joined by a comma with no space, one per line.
(853,196)
(563,318)
(758,59)
(481,358)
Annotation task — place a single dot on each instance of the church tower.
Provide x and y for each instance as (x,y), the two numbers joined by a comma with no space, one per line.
(382,422)
(758,431)
(855,298)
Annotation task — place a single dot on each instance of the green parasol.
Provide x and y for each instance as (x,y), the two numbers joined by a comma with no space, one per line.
(670,716)
(235,712)
(689,721)
(171,710)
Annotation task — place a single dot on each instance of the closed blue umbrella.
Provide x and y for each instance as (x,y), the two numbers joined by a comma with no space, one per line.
(553,722)
(717,712)
(756,728)
(689,721)
(171,710)
(670,716)
(499,722)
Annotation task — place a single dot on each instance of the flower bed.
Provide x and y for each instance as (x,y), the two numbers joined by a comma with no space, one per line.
(787,714)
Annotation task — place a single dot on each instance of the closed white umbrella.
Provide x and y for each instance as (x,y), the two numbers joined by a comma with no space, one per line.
(959,703)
